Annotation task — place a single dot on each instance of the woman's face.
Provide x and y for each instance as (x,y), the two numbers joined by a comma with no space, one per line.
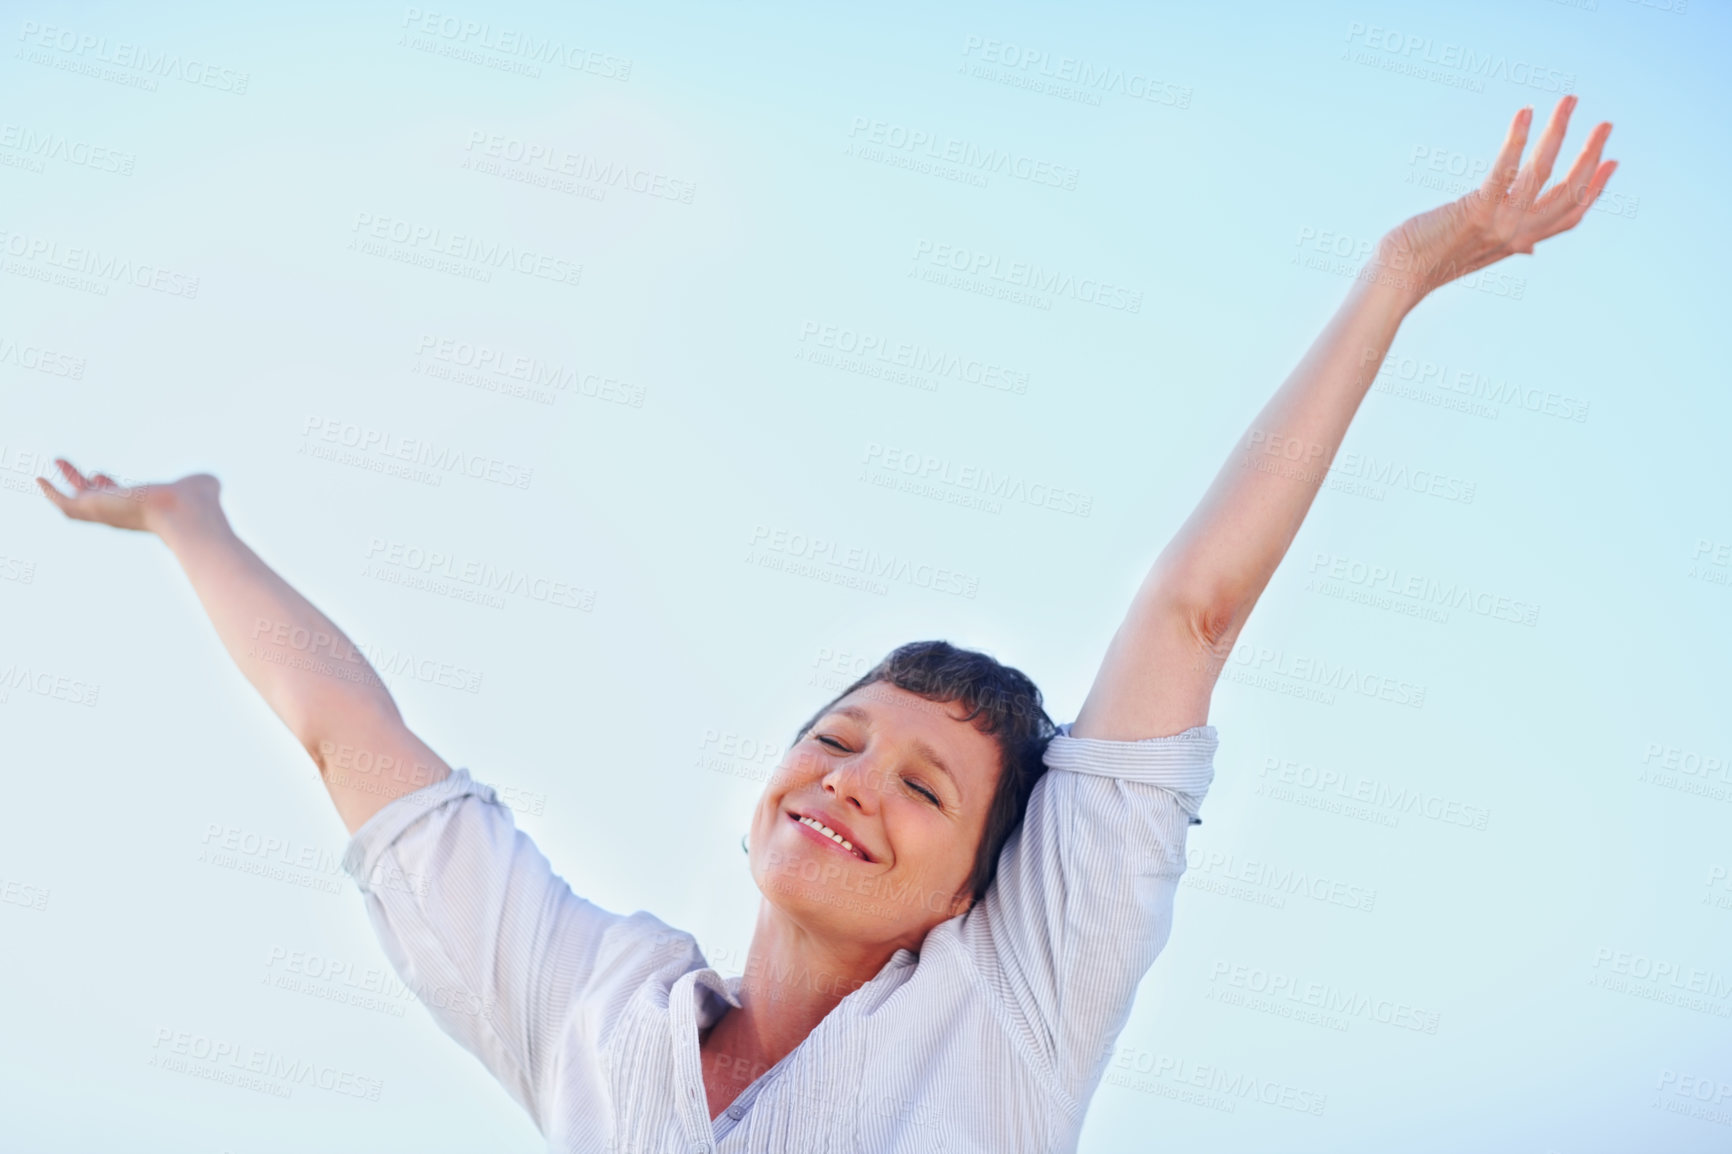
(907,784)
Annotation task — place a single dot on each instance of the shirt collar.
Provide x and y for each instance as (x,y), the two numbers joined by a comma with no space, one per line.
(709,987)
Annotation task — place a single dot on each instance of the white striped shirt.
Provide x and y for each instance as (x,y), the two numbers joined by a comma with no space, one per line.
(992,1038)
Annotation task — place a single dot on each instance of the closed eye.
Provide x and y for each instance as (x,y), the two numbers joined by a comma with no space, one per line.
(832,743)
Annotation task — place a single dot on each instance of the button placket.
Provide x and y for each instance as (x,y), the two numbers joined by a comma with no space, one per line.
(688,1064)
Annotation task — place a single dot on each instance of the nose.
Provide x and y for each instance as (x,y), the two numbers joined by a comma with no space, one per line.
(853,783)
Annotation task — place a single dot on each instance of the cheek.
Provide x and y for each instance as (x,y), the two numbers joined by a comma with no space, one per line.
(784,778)
(795,769)
(790,777)
(963,857)
(769,809)
(922,838)
(966,845)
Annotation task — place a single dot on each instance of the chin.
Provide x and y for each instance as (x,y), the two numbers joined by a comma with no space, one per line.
(842,904)
(819,889)
(827,911)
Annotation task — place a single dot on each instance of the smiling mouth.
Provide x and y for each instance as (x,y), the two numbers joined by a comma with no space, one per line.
(829,835)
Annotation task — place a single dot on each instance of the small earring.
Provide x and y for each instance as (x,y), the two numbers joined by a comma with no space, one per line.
(743,848)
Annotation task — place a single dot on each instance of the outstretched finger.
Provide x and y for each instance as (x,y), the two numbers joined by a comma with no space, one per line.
(1503,170)
(103,481)
(1546,153)
(73,476)
(1601,175)
(61,500)
(1587,165)
(1563,198)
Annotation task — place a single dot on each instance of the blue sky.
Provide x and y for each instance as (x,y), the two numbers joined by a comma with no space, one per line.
(767,308)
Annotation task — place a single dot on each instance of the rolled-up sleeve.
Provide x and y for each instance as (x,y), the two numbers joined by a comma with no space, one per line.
(479,926)
(1083,899)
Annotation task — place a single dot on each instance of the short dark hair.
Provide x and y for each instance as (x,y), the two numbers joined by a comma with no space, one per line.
(1001,702)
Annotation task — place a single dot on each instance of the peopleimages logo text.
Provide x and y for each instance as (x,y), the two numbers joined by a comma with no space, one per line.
(124,54)
(1022,274)
(465,246)
(1086,75)
(1443,54)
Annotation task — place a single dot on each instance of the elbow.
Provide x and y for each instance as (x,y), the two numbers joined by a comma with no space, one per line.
(1215,624)
(1211,616)
(344,735)
(320,750)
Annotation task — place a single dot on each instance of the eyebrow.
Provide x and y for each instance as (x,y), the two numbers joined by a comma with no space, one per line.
(920,747)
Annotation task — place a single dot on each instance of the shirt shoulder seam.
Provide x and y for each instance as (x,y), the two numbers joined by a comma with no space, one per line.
(499,1038)
(1044,1070)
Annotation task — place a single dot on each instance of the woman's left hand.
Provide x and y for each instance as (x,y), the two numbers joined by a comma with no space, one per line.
(1504,215)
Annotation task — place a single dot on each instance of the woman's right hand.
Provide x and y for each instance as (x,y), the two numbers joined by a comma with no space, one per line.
(142,507)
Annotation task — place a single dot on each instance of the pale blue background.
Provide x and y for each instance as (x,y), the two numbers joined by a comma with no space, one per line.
(599,720)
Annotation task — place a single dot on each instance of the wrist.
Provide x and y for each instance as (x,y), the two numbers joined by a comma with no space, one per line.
(1390,287)
(185,507)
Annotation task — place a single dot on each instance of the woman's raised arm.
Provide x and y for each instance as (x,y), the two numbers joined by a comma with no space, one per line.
(1161,666)
(308,672)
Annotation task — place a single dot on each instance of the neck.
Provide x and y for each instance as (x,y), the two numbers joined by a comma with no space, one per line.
(793,979)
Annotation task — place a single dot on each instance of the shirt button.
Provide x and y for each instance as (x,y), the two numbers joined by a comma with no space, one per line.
(701,1148)
(734,1112)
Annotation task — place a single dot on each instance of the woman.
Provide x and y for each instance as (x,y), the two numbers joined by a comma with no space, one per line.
(959,900)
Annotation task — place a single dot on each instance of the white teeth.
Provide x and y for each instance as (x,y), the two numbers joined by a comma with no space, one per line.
(829,833)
